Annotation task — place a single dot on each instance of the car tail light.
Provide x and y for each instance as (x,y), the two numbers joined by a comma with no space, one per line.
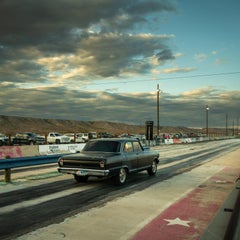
(60,162)
(102,163)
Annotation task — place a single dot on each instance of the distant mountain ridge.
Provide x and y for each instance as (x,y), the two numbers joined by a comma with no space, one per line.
(13,124)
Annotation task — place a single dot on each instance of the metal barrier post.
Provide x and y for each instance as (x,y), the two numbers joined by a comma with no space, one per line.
(7,172)
(7,175)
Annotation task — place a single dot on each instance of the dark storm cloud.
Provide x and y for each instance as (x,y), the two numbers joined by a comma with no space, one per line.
(62,103)
(27,20)
(125,53)
(95,32)
(164,55)
(175,110)
(54,46)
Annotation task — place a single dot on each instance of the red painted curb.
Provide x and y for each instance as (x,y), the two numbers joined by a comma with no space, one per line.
(189,217)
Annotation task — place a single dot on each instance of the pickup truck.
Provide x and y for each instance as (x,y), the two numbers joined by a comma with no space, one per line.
(84,136)
(109,157)
(27,138)
(75,138)
(57,138)
(3,139)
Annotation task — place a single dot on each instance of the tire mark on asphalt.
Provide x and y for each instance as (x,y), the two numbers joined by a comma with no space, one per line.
(54,210)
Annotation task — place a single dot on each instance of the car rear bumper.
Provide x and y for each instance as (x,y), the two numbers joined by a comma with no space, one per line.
(84,171)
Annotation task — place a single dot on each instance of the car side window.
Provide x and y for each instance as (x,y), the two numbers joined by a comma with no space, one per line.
(128,147)
(137,147)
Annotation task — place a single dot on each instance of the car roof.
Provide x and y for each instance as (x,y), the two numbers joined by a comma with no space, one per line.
(115,139)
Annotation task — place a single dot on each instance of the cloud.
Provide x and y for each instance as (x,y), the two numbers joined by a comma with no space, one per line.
(187,109)
(125,54)
(52,51)
(79,40)
(200,92)
(220,61)
(36,19)
(177,70)
(200,57)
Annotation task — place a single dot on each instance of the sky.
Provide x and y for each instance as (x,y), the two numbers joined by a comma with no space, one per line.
(103,60)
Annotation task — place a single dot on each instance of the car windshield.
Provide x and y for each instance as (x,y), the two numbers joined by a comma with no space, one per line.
(32,134)
(102,146)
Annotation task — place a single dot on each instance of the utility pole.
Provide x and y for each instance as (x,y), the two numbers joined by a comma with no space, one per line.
(158,123)
(207,109)
(237,127)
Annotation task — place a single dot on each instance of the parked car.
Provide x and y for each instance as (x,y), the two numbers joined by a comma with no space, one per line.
(109,157)
(92,135)
(3,139)
(27,138)
(74,138)
(55,137)
(105,135)
(84,136)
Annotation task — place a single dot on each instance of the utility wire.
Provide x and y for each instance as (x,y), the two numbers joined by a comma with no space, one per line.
(168,78)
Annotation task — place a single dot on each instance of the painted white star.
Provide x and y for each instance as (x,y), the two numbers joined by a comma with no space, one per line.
(177,221)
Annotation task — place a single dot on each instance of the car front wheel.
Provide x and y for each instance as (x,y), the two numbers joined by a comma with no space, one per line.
(121,177)
(153,169)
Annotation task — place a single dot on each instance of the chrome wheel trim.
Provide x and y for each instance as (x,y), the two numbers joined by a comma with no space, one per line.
(122,175)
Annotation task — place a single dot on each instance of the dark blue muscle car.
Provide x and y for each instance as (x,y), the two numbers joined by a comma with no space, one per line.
(109,157)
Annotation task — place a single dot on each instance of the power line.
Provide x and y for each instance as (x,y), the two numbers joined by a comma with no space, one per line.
(169,78)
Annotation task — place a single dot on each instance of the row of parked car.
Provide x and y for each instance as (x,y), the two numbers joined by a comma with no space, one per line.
(30,138)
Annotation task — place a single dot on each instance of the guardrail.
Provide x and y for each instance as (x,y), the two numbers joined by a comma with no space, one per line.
(168,141)
(9,163)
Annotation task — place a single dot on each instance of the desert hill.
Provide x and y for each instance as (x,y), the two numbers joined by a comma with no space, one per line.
(9,125)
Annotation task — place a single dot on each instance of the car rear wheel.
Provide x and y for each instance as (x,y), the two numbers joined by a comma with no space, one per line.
(153,169)
(80,178)
(121,177)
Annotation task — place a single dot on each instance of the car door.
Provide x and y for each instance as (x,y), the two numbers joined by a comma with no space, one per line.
(142,158)
(131,157)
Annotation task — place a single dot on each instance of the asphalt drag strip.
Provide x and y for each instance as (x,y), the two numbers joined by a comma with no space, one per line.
(180,207)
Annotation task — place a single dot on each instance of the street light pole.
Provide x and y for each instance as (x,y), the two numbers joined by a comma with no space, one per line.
(158,124)
(233,129)
(207,109)
(226,124)
(237,127)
